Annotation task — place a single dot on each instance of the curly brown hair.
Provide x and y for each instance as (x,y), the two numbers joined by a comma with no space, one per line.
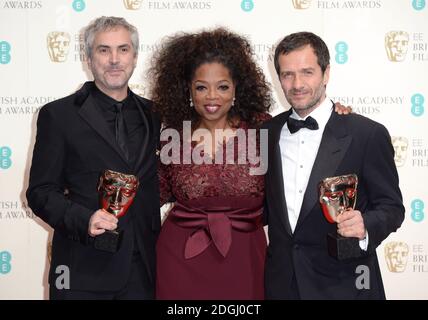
(174,66)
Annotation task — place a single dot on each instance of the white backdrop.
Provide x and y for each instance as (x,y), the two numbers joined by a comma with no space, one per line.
(388,89)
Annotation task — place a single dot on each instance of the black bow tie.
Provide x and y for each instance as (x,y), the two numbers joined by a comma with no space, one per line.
(295,125)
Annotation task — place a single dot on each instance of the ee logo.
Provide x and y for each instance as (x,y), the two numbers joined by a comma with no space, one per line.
(4,52)
(417,104)
(341,52)
(5,258)
(79,5)
(417,213)
(418,4)
(247,5)
(5,153)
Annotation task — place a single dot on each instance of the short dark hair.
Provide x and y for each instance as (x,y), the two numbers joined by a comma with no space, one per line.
(297,40)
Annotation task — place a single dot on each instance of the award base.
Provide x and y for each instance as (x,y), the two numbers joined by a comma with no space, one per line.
(108,241)
(342,248)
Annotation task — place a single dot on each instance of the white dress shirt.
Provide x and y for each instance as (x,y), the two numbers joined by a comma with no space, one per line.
(298,153)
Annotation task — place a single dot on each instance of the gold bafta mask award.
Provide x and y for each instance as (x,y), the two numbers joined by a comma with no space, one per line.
(116,193)
(338,194)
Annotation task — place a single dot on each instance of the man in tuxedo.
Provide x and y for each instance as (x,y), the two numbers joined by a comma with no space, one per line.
(301,154)
(104,125)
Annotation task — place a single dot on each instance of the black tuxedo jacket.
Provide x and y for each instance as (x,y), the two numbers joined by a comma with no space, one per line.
(73,146)
(350,144)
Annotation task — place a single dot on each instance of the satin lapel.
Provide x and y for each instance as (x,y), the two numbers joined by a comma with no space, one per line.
(276,175)
(334,144)
(89,112)
(147,129)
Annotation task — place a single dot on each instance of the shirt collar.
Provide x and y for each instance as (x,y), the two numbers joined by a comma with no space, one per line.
(107,101)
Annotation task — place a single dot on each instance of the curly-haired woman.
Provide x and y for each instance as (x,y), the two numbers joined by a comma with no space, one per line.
(210,91)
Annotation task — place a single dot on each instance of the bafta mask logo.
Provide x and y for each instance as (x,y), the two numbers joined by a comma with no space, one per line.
(58,45)
(396,43)
(301,4)
(132,4)
(138,89)
(400,145)
(396,254)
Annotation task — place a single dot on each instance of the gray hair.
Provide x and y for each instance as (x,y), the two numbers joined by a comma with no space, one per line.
(107,23)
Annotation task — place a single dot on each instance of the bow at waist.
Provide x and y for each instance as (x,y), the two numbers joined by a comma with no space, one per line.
(213,220)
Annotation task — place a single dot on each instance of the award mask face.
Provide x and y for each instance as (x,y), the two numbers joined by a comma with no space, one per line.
(338,194)
(132,4)
(117,191)
(396,45)
(58,45)
(302,4)
(396,255)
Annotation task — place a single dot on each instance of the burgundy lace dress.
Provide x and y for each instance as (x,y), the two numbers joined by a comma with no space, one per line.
(212,244)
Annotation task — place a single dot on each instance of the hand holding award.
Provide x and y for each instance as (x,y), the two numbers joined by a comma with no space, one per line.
(338,194)
(116,194)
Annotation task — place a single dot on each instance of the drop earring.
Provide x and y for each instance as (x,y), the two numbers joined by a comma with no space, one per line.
(191,102)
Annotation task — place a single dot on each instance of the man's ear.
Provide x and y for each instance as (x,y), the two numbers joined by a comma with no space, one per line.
(89,62)
(326,75)
(135,59)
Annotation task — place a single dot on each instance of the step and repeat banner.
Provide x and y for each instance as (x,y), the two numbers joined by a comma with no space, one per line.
(379,66)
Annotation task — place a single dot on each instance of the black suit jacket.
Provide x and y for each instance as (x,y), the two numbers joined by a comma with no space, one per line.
(350,144)
(73,146)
